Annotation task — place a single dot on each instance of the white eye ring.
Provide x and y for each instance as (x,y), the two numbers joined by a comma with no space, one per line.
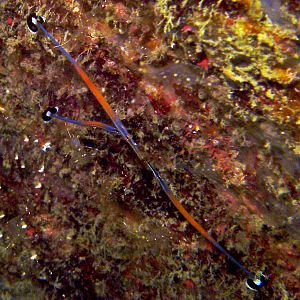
(250,288)
(33,22)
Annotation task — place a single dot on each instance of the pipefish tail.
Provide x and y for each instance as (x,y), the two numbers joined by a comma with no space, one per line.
(252,281)
(51,112)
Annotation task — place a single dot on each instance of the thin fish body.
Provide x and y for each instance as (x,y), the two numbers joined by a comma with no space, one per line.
(51,112)
(124,133)
(104,126)
(56,43)
(193,222)
(115,119)
(98,95)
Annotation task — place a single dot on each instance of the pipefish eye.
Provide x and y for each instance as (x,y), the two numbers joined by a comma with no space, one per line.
(32,21)
(48,113)
(256,283)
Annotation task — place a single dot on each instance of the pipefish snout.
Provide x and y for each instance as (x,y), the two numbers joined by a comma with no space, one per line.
(254,282)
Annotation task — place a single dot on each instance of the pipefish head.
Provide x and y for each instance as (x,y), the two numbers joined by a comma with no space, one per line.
(257,282)
(48,114)
(32,22)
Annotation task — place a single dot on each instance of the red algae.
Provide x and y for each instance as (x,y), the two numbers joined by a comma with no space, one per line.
(210,90)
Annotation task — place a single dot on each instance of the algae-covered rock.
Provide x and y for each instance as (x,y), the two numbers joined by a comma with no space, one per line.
(209,90)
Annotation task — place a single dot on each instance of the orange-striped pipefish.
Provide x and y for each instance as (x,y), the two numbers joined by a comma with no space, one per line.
(51,112)
(254,281)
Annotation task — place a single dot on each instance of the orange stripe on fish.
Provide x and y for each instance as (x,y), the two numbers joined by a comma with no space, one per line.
(252,281)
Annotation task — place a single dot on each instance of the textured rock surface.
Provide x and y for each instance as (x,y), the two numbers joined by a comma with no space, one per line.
(210,90)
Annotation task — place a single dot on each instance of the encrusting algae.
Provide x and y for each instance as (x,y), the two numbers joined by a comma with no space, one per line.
(209,90)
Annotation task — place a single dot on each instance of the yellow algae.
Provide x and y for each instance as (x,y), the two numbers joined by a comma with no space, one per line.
(167,10)
(283,76)
(297,149)
(270,94)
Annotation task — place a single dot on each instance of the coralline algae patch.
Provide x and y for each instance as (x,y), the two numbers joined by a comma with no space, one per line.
(209,89)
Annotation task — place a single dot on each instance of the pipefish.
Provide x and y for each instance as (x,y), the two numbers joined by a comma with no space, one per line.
(254,281)
(51,112)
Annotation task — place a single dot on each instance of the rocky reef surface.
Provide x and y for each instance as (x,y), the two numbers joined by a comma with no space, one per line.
(210,90)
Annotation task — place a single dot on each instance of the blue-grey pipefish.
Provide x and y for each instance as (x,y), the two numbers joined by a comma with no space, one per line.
(51,112)
(35,23)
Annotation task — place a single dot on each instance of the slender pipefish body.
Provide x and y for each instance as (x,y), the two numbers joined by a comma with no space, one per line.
(35,23)
(51,113)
